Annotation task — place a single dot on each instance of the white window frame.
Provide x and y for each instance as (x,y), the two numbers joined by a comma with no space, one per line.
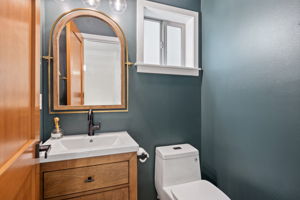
(168,15)
(164,39)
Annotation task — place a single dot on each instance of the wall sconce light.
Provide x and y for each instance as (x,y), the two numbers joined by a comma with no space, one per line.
(91,3)
(118,6)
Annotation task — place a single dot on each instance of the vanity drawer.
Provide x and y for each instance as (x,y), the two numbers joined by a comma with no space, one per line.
(68,181)
(119,194)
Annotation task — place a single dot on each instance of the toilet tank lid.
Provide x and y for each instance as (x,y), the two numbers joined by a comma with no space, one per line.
(176,151)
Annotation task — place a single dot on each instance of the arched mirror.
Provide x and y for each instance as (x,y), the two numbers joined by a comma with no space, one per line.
(89,63)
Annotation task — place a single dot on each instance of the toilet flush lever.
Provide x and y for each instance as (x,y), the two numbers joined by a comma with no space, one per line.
(177,148)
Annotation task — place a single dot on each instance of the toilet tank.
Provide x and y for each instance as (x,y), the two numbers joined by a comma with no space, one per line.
(176,164)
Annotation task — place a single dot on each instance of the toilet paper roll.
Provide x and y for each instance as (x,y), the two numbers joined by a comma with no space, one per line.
(142,155)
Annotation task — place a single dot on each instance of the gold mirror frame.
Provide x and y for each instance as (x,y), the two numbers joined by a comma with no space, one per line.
(54,107)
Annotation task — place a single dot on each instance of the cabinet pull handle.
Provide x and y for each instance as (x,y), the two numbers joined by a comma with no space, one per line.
(89,179)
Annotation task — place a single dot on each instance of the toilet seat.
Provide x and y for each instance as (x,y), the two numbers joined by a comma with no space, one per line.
(197,190)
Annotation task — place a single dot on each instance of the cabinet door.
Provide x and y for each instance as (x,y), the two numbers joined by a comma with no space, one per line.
(70,181)
(19,99)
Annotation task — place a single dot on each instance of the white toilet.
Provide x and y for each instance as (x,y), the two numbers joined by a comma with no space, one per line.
(178,177)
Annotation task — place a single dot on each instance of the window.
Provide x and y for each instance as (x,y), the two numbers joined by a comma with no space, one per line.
(167,39)
(152,42)
(164,42)
(175,45)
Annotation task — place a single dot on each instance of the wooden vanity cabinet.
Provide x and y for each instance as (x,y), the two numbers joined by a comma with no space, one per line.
(112,177)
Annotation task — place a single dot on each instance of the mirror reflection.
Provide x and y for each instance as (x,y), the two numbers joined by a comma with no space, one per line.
(90,63)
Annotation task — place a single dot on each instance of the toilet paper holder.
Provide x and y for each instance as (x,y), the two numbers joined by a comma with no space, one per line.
(142,155)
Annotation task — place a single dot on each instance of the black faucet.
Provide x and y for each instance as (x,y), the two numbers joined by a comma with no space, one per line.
(92,126)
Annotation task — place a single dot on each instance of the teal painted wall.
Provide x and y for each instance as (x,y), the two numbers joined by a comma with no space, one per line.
(162,109)
(251,97)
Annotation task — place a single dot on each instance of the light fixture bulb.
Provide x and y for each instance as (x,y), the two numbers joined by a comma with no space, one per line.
(60,1)
(118,6)
(91,3)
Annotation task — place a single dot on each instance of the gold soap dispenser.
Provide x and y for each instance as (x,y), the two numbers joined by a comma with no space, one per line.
(57,132)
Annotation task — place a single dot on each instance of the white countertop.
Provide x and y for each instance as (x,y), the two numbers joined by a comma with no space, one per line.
(83,146)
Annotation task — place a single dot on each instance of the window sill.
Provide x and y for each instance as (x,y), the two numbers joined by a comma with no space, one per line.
(171,70)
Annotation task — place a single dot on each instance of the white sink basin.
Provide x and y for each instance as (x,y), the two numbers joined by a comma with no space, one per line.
(82,146)
(90,142)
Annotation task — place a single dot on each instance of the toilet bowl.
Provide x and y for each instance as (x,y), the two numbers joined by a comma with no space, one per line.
(178,177)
